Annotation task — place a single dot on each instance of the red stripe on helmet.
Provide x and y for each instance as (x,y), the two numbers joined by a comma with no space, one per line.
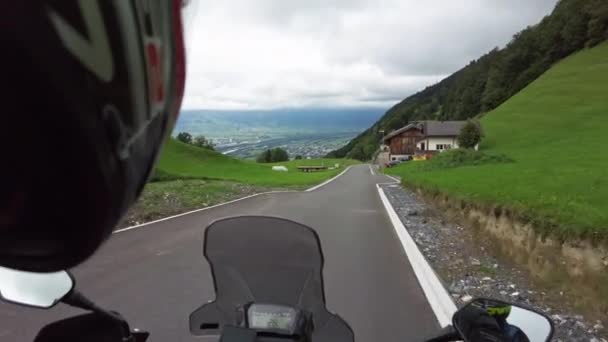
(180,58)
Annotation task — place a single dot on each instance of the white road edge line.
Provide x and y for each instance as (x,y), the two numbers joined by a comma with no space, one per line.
(371,170)
(393,178)
(197,210)
(437,296)
(328,181)
(226,203)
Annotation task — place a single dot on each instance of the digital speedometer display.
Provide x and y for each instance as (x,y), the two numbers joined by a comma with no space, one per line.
(272,317)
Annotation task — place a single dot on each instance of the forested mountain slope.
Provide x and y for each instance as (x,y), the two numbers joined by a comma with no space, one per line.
(489,81)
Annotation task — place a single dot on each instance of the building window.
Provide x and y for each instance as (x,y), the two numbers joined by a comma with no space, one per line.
(442,147)
(393,159)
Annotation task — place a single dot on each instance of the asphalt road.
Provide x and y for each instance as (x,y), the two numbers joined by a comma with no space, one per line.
(156,275)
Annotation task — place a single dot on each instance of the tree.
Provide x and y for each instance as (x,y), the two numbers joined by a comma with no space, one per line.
(358,153)
(184,137)
(495,91)
(299,157)
(203,142)
(264,157)
(597,29)
(574,32)
(470,135)
(279,155)
(273,156)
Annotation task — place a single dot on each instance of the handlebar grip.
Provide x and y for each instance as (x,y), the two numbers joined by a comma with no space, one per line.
(446,334)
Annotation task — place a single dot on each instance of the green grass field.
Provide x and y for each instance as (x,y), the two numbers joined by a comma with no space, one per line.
(188,177)
(181,161)
(554,131)
(162,199)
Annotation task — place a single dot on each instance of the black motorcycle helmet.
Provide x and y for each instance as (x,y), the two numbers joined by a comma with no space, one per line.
(90,91)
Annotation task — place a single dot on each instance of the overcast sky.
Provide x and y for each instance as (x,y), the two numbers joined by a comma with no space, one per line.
(262,54)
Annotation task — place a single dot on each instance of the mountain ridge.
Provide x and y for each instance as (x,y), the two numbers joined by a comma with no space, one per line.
(489,81)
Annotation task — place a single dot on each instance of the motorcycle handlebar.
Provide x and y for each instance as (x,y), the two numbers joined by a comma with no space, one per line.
(446,334)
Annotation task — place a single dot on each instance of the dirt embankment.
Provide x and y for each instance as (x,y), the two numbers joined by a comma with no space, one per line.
(576,269)
(471,263)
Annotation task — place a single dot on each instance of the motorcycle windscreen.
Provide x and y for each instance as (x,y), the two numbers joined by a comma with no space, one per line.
(268,260)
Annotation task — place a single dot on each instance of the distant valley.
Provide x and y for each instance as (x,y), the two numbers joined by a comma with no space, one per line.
(306,132)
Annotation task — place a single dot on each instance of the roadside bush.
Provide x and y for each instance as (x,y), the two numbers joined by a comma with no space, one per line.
(184,137)
(159,175)
(470,135)
(463,157)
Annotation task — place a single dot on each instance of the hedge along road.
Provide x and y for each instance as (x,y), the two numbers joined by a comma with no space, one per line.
(155,275)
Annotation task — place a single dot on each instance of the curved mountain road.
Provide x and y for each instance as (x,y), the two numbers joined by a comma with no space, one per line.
(156,275)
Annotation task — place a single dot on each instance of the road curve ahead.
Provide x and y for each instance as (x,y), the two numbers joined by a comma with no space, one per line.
(156,275)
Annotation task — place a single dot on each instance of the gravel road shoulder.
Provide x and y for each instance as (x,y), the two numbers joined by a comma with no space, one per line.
(469,269)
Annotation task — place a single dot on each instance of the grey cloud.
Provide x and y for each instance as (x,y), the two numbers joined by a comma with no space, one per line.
(439,39)
(282,12)
(380,98)
(268,53)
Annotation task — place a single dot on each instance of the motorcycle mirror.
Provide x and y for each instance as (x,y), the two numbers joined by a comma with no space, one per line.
(40,290)
(489,319)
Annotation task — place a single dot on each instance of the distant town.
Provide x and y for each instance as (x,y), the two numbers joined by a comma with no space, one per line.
(305,145)
(306,132)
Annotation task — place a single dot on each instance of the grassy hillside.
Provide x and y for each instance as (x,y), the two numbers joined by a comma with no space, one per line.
(182,161)
(189,177)
(555,132)
(487,82)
